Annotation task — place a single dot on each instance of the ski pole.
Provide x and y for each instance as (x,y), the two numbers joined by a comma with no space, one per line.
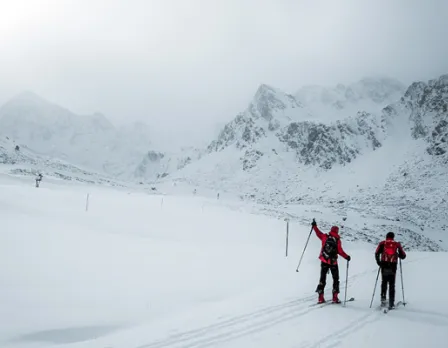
(376,282)
(304,249)
(346,282)
(402,286)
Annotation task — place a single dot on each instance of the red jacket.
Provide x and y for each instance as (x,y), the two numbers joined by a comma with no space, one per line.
(390,251)
(334,232)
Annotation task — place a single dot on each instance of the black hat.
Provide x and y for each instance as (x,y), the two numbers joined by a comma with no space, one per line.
(390,235)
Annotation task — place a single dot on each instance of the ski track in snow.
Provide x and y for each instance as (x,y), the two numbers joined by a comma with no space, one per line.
(258,321)
(236,328)
(246,324)
(334,340)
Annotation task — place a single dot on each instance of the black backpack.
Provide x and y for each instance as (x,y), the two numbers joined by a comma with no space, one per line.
(330,249)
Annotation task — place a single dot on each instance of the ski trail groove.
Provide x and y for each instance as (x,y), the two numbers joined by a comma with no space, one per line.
(334,340)
(229,322)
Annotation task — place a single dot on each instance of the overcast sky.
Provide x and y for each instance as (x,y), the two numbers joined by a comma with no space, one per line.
(182,63)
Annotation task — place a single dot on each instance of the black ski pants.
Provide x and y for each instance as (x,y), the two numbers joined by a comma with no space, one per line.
(324,269)
(388,276)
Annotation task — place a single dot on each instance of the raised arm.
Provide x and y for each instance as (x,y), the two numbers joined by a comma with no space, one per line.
(319,234)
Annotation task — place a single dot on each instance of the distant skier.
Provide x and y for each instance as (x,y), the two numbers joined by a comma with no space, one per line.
(390,250)
(38,179)
(331,248)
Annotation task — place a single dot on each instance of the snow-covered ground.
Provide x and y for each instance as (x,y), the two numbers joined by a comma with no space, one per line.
(147,271)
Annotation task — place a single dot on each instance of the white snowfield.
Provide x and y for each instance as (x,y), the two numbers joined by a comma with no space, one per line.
(142,271)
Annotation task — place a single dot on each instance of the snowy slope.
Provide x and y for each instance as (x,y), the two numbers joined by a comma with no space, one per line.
(156,165)
(139,271)
(19,160)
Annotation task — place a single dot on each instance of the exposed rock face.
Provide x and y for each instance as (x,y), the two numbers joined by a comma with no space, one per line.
(326,145)
(426,105)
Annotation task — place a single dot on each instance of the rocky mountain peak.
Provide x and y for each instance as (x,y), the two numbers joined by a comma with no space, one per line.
(268,100)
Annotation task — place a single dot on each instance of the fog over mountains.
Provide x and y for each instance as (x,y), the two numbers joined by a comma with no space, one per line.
(128,151)
(376,146)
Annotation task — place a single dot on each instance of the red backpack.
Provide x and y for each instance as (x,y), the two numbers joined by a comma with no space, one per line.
(390,251)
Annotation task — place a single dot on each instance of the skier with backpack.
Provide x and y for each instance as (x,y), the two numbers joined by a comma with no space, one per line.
(331,248)
(386,255)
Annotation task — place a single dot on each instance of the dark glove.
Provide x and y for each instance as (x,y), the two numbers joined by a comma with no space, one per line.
(313,223)
(348,258)
(378,263)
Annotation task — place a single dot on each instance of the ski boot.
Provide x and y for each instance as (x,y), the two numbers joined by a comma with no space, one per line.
(391,305)
(321,298)
(383,301)
(335,298)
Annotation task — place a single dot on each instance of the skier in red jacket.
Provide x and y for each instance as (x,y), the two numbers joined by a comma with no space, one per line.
(331,248)
(390,250)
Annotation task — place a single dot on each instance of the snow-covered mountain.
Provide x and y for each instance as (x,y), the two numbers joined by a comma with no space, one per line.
(276,122)
(90,141)
(277,126)
(93,142)
(390,163)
